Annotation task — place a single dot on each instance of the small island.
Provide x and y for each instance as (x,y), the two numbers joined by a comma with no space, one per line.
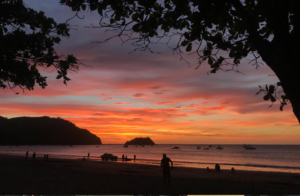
(43,131)
(140,141)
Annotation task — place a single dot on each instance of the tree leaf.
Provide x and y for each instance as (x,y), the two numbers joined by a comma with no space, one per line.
(271,89)
(210,61)
(83,6)
(266,97)
(134,17)
(189,47)
(184,43)
(272,98)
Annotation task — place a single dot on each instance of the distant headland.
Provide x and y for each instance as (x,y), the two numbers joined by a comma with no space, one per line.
(140,141)
(43,131)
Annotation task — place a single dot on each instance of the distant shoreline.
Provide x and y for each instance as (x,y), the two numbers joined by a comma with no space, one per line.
(70,176)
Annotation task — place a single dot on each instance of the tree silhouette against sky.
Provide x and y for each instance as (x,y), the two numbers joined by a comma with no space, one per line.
(27,38)
(223,33)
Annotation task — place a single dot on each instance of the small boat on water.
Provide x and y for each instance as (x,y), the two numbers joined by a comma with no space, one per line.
(176,147)
(220,148)
(198,147)
(125,146)
(249,147)
(206,148)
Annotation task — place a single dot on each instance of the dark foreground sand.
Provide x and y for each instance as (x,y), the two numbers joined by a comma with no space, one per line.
(63,176)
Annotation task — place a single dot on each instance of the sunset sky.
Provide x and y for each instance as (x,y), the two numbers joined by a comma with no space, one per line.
(119,96)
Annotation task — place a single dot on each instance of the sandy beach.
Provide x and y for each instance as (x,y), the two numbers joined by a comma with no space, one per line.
(75,176)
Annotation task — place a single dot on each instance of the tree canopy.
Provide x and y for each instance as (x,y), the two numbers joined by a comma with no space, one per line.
(261,29)
(27,38)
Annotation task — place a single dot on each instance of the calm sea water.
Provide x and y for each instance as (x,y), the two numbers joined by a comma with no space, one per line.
(277,158)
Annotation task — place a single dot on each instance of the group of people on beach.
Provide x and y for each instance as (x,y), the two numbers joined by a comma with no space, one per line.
(46,156)
(124,158)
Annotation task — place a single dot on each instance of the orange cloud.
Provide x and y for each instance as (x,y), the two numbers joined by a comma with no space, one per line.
(123,103)
(174,108)
(163,103)
(191,106)
(213,108)
(140,95)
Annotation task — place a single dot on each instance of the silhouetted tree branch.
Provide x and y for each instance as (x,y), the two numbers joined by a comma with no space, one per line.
(27,38)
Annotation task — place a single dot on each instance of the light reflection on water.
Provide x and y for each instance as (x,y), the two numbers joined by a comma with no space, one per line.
(279,158)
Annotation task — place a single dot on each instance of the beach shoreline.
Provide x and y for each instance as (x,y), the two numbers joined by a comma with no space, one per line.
(75,176)
(201,165)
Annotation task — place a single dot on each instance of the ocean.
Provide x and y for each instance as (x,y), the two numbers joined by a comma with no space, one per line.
(274,158)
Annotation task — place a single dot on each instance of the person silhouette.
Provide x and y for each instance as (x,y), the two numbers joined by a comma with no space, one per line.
(33,156)
(166,169)
(88,155)
(26,155)
(134,157)
(217,168)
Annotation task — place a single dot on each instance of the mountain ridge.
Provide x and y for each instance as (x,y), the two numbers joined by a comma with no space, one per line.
(43,131)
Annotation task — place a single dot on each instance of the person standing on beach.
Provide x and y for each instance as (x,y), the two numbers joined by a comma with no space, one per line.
(33,156)
(166,169)
(26,155)
(88,155)
(134,157)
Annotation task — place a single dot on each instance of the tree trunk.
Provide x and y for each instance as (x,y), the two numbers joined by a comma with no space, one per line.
(282,58)
(282,53)
(289,75)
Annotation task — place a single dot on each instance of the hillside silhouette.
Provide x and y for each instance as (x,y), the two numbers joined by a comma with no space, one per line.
(140,141)
(43,131)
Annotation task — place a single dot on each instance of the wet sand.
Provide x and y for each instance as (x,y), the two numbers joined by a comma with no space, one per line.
(72,176)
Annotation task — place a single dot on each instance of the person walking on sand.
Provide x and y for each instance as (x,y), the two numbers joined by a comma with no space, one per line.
(33,156)
(134,157)
(166,169)
(88,155)
(26,155)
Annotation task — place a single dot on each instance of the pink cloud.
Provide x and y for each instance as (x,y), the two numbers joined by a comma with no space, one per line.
(109,98)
